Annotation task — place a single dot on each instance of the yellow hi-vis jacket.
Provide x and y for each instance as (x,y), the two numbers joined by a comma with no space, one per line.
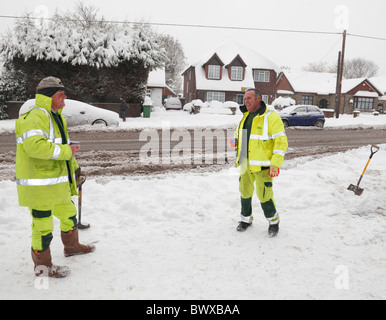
(41,171)
(267,142)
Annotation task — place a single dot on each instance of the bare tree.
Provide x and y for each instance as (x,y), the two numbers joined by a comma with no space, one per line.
(175,64)
(359,68)
(317,67)
(354,68)
(85,16)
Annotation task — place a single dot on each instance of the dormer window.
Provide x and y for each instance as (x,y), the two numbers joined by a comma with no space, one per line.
(213,68)
(237,73)
(236,69)
(214,72)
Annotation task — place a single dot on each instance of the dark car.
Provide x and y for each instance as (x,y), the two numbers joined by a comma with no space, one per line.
(302,115)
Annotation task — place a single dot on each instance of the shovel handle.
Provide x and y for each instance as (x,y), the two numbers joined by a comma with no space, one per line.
(372,150)
(372,153)
(80,201)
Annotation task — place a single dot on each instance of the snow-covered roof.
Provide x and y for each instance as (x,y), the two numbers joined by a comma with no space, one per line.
(227,52)
(380,83)
(285,92)
(349,84)
(366,94)
(157,78)
(325,83)
(312,82)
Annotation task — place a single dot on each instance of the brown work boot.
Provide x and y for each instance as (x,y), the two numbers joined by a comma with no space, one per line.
(44,266)
(72,246)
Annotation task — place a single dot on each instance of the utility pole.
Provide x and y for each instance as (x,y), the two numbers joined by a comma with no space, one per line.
(337,85)
(340,75)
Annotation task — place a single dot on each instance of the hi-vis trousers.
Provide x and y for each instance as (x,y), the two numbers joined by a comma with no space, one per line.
(43,226)
(264,192)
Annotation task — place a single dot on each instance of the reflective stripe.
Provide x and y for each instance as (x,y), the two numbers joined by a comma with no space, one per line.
(52,128)
(57,151)
(258,137)
(259,163)
(265,138)
(50,137)
(41,182)
(265,135)
(265,129)
(248,219)
(31,133)
(274,220)
(279,134)
(282,153)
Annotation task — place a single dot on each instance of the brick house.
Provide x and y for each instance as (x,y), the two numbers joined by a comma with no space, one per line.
(226,72)
(315,88)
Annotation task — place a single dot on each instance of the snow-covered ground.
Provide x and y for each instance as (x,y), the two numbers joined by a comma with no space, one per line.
(209,117)
(174,236)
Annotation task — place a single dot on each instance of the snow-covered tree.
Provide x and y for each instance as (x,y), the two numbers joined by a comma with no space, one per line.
(12,87)
(175,64)
(99,62)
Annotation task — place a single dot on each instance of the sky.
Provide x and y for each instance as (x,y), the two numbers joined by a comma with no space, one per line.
(292,50)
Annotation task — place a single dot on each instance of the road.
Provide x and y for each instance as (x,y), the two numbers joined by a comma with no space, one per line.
(151,151)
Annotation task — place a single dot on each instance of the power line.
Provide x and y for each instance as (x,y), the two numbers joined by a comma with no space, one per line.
(332,48)
(187,25)
(366,37)
(205,26)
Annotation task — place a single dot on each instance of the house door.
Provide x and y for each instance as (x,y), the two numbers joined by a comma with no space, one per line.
(323,104)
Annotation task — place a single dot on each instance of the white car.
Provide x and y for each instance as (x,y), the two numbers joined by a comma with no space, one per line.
(79,113)
(173,104)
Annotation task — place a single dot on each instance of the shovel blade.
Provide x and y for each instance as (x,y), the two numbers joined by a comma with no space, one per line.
(83,226)
(358,191)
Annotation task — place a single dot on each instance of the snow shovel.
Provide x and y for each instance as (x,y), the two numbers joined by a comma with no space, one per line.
(79,182)
(358,191)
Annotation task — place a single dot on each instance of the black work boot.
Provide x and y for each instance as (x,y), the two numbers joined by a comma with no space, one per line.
(243,226)
(273,230)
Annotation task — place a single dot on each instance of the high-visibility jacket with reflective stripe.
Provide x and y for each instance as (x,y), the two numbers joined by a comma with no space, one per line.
(267,142)
(41,171)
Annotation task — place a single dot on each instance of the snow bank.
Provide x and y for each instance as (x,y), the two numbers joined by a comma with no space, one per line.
(174,237)
(209,117)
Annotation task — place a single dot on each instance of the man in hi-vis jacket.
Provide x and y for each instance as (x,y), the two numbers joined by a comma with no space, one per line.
(261,146)
(45,167)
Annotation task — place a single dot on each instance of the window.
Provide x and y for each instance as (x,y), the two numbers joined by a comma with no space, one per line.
(265,98)
(307,100)
(301,110)
(261,76)
(148,92)
(217,96)
(214,72)
(363,103)
(239,99)
(237,73)
(314,110)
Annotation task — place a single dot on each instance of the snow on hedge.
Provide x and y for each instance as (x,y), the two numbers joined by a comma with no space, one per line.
(68,42)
